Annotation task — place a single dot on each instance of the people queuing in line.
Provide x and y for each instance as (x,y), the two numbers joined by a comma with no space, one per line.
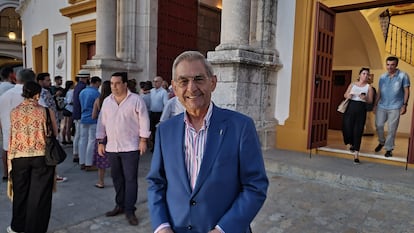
(392,101)
(32,179)
(67,113)
(359,94)
(125,142)
(101,162)
(83,80)
(207,172)
(87,127)
(7,75)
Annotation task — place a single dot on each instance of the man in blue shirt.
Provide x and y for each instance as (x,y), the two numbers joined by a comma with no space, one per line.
(83,80)
(391,102)
(88,125)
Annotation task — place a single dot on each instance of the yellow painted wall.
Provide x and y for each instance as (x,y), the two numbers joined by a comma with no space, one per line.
(294,134)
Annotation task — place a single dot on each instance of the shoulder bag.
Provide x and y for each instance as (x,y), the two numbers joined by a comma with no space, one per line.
(54,153)
(343,106)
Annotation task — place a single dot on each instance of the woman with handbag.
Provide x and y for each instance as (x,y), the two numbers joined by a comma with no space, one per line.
(359,93)
(31,178)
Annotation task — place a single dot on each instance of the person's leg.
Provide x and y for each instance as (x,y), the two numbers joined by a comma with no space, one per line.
(101,177)
(130,161)
(83,143)
(64,133)
(358,127)
(20,176)
(76,140)
(5,167)
(380,119)
(91,145)
(69,127)
(117,178)
(39,202)
(393,121)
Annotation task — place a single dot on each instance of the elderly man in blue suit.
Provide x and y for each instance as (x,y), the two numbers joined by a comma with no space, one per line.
(207,172)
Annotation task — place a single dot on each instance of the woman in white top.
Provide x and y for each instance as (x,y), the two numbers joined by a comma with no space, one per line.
(359,94)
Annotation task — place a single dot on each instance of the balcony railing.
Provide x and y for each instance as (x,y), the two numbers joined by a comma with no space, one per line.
(399,42)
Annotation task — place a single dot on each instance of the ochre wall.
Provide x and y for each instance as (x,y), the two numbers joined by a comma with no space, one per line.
(294,134)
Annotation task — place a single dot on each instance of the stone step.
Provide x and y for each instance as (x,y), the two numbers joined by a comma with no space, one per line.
(381,178)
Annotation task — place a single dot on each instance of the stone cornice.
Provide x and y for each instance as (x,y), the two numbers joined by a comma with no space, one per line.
(79,9)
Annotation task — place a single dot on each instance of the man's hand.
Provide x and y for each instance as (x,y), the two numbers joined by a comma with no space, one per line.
(142,146)
(403,110)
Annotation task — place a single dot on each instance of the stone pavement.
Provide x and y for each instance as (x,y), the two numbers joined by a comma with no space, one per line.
(318,194)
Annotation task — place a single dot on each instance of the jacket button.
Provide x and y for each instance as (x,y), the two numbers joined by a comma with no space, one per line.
(189,227)
(192,202)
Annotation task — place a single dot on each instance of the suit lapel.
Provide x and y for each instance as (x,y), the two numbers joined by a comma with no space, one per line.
(178,138)
(215,136)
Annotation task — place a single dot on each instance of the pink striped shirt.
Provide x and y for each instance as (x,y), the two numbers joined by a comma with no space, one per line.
(194,146)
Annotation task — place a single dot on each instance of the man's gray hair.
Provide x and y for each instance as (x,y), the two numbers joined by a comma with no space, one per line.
(25,75)
(192,56)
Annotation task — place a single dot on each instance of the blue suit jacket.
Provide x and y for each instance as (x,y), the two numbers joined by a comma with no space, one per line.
(230,188)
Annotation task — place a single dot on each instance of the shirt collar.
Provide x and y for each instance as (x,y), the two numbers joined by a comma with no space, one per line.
(207,118)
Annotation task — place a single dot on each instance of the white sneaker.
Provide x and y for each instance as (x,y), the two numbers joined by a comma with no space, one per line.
(9,230)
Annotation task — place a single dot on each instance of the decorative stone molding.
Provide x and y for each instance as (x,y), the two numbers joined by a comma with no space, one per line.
(82,8)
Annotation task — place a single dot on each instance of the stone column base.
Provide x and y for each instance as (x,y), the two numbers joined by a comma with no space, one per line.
(247,84)
(104,68)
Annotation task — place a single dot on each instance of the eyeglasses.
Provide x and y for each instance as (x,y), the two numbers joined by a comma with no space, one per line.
(198,80)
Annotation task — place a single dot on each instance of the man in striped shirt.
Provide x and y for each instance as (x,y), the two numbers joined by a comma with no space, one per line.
(207,172)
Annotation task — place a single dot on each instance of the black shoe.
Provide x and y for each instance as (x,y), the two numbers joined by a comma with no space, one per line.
(356,161)
(76,160)
(132,219)
(379,147)
(114,212)
(388,153)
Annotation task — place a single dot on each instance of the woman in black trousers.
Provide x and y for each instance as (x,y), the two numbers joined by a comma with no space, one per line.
(359,94)
(32,179)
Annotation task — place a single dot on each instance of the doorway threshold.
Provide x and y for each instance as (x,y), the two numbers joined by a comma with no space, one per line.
(363,154)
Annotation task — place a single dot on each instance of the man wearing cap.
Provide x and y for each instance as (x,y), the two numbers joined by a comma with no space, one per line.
(83,80)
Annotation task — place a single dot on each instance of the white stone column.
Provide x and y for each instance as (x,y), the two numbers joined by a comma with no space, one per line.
(127,30)
(235,24)
(105,29)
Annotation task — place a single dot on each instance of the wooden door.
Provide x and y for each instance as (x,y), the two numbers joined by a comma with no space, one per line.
(177,32)
(322,77)
(340,82)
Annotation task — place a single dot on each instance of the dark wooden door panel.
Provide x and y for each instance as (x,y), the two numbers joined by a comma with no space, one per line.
(322,77)
(177,32)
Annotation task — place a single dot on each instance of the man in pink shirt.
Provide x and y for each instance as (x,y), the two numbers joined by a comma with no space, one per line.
(124,122)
